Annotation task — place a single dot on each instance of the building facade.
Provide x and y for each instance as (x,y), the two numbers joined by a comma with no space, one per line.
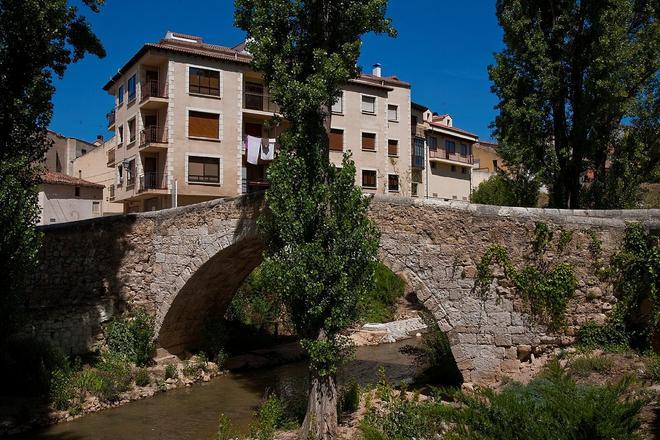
(63,198)
(192,123)
(64,150)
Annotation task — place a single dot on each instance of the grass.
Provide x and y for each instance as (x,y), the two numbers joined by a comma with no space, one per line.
(583,366)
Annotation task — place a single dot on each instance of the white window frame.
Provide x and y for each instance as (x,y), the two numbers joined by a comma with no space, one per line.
(188,66)
(210,111)
(396,108)
(343,145)
(341,102)
(365,112)
(369,188)
(375,142)
(398,190)
(212,156)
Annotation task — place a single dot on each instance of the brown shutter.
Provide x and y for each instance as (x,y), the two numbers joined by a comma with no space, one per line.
(393,147)
(336,140)
(368,141)
(195,168)
(206,125)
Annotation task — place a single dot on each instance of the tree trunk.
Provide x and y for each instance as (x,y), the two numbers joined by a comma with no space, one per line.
(321,419)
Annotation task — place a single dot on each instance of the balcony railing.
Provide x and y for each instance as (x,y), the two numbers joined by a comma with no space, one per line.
(153,89)
(252,186)
(153,134)
(259,101)
(111,157)
(110,116)
(150,181)
(456,157)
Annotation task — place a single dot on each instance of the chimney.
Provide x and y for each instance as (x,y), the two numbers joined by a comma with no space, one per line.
(377,70)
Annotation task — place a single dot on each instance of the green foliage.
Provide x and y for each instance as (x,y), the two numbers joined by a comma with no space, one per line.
(270,417)
(565,239)
(553,403)
(349,398)
(196,366)
(254,304)
(611,337)
(132,337)
(636,273)
(38,38)
(61,391)
(436,355)
(171,372)
(378,304)
(214,337)
(583,366)
(221,358)
(654,368)
(506,190)
(142,377)
(569,74)
(545,289)
(114,377)
(226,430)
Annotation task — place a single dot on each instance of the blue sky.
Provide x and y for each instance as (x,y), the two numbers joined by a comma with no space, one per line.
(443,49)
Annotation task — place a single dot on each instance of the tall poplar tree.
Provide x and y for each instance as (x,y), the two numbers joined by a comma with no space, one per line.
(570,72)
(321,245)
(38,40)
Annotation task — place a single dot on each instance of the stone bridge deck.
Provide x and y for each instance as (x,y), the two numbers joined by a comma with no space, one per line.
(185,264)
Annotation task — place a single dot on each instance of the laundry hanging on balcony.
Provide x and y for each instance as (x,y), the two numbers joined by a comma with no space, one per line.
(268,149)
(253,149)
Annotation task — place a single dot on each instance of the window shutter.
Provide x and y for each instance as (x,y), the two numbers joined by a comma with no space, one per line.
(368,141)
(336,140)
(206,125)
(393,147)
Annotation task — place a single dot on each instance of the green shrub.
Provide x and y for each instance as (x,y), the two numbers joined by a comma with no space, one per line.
(654,368)
(378,304)
(611,337)
(171,372)
(195,366)
(132,337)
(226,430)
(584,365)
(271,416)
(349,398)
(435,354)
(221,359)
(142,377)
(501,190)
(61,390)
(114,377)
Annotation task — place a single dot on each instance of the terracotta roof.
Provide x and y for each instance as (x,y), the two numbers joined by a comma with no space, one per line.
(53,178)
(235,54)
(457,130)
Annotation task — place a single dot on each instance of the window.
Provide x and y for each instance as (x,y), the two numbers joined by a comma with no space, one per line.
(338,107)
(131,131)
(96,207)
(368,104)
(450,146)
(495,165)
(203,169)
(369,141)
(204,125)
(83,151)
(393,112)
(77,191)
(369,179)
(418,153)
(463,170)
(120,95)
(120,174)
(392,147)
(336,139)
(130,173)
(204,81)
(393,183)
(433,143)
(120,135)
(131,88)
(254,96)
(464,150)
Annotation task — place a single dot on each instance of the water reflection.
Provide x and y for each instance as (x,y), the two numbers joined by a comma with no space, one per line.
(192,413)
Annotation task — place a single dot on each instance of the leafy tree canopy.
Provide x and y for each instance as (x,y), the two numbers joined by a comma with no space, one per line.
(570,73)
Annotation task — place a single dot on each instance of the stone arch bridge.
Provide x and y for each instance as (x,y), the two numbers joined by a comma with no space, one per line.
(185,263)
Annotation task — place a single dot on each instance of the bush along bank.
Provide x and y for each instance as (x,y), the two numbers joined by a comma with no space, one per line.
(121,372)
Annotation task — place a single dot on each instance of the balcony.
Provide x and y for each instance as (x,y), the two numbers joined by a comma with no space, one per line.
(441,155)
(111,158)
(252,186)
(111,117)
(256,100)
(152,137)
(153,182)
(153,94)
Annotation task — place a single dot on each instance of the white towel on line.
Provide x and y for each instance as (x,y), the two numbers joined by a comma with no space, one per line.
(268,150)
(253,149)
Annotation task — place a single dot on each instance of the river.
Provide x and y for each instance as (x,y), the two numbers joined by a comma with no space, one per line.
(192,413)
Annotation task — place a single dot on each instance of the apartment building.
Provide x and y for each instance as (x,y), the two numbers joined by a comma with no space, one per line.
(442,156)
(486,162)
(192,123)
(64,150)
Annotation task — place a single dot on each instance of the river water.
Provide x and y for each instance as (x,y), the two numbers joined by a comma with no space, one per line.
(192,413)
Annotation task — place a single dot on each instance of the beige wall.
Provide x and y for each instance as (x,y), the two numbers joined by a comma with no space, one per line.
(484,157)
(445,183)
(93,167)
(59,158)
(59,203)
